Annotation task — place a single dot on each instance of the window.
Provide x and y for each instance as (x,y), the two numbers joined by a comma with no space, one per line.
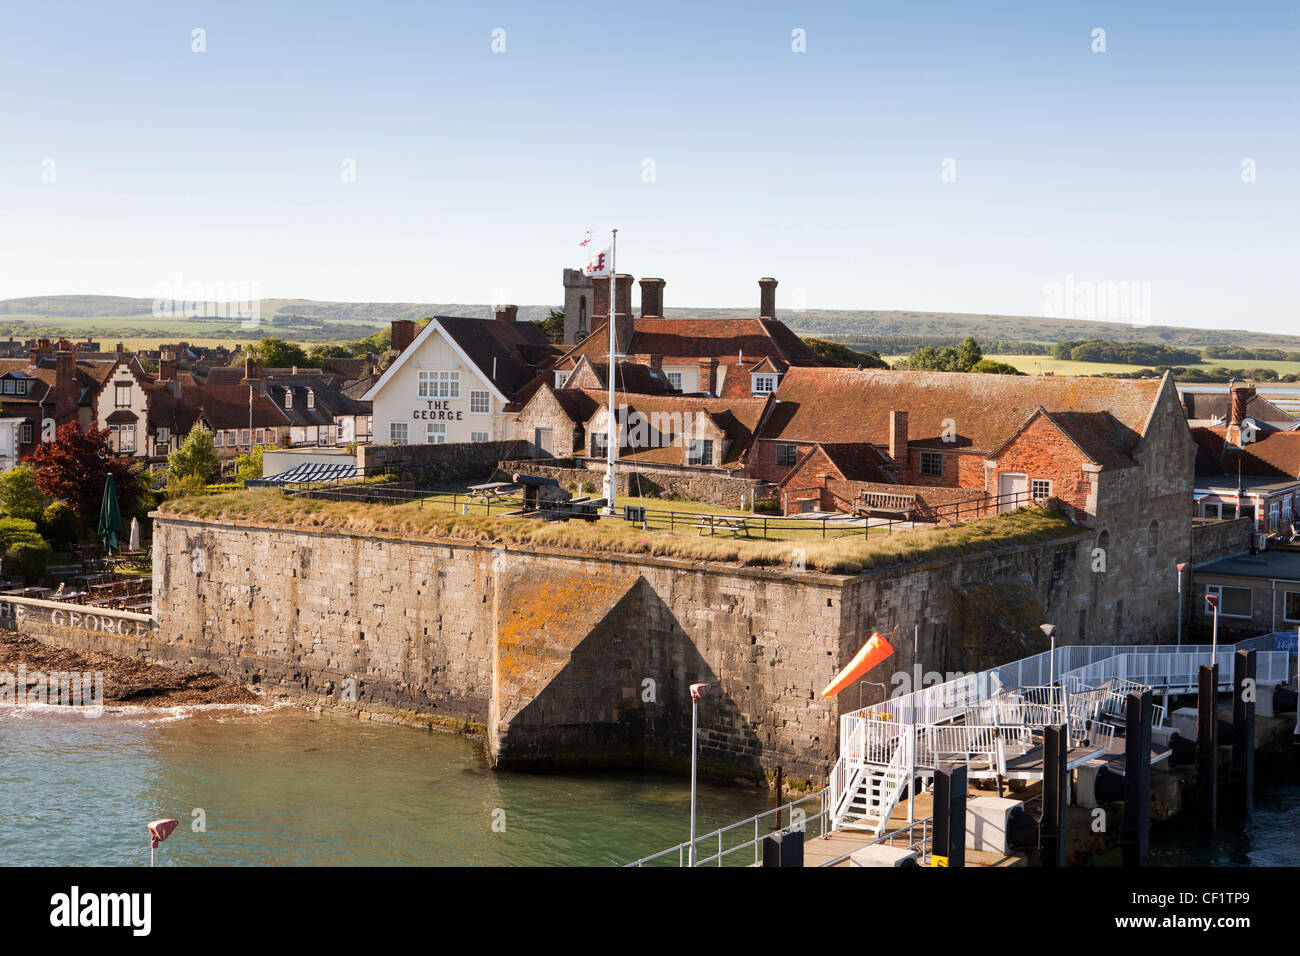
(245,437)
(480,403)
(164,434)
(123,390)
(598,445)
(1039,488)
(435,433)
(561,378)
(1233,602)
(288,398)
(674,381)
(1274,515)
(479,436)
(786,455)
(311,398)
(121,438)
(10,386)
(21,386)
(1291,606)
(700,451)
(397,433)
(931,463)
(1212,510)
(763,384)
(27,433)
(218,438)
(437,384)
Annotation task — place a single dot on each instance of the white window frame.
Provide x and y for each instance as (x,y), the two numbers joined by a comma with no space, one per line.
(311,398)
(10,387)
(1218,589)
(480,436)
(116,433)
(931,456)
(485,397)
(435,433)
(399,433)
(439,383)
(561,378)
(1216,505)
(26,437)
(695,449)
(1035,496)
(600,439)
(674,380)
(763,383)
(117,395)
(288,397)
(1291,620)
(1274,515)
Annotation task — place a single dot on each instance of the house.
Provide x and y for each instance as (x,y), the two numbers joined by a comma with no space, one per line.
(1248,468)
(459,379)
(1005,435)
(1209,409)
(120,403)
(720,357)
(831,475)
(49,388)
(1259,593)
(675,431)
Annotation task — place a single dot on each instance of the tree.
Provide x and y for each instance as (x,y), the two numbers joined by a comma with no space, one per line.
(73,467)
(838,352)
(990,367)
(948,358)
(196,458)
(250,465)
(553,325)
(19,496)
(277,353)
(319,352)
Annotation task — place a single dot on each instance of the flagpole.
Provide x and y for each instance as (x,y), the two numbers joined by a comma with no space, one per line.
(611,428)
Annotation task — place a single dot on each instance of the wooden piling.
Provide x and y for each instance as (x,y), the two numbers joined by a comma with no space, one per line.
(1241,772)
(1207,773)
(1135,829)
(1051,831)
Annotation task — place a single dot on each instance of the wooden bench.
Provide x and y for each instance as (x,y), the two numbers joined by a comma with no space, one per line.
(883,504)
(715,523)
(493,491)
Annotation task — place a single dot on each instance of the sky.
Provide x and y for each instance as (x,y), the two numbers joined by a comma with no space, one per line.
(959,157)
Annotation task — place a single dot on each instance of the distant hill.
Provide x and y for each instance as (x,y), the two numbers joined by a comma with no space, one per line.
(316,321)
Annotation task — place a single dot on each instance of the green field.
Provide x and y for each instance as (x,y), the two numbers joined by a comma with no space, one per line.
(1040,364)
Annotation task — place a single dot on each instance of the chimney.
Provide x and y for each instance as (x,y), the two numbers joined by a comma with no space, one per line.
(623,294)
(767,298)
(120,350)
(403,334)
(898,437)
(507,313)
(1241,394)
(66,391)
(599,300)
(652,297)
(1189,405)
(708,375)
(167,366)
(253,373)
(656,363)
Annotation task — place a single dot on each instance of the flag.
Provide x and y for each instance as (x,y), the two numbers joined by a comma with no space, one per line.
(587,241)
(598,264)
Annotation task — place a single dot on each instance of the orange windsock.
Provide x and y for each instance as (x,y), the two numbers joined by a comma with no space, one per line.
(872,653)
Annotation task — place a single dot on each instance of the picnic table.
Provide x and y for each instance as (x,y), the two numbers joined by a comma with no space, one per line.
(715,523)
(493,491)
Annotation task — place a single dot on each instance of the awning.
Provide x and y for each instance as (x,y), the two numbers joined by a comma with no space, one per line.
(121,416)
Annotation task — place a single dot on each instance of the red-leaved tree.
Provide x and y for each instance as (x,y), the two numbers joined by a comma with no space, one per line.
(73,468)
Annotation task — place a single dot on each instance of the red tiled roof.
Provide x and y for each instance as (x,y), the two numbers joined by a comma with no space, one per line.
(682,341)
(1274,454)
(852,405)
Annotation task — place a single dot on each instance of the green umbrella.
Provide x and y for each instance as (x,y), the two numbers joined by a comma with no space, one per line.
(110,518)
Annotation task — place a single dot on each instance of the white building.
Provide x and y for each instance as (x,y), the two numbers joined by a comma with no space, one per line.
(458,380)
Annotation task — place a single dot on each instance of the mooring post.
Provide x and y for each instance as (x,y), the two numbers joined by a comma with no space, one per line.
(1052,831)
(1207,772)
(1135,830)
(1241,773)
(949,839)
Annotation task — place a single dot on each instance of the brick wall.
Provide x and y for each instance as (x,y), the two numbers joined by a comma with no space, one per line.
(1213,539)
(1042,451)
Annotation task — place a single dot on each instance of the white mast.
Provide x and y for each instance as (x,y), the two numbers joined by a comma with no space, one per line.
(611,427)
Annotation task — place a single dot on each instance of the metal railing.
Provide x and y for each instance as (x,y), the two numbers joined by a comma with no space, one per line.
(920,843)
(798,817)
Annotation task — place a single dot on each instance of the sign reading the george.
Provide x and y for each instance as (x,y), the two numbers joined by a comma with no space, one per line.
(438,412)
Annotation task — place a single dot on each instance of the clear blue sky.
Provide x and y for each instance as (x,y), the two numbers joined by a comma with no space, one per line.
(478,172)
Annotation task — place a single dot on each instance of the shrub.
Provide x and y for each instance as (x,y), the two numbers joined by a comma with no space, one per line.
(61,526)
(180,487)
(767,506)
(26,554)
(19,496)
(196,458)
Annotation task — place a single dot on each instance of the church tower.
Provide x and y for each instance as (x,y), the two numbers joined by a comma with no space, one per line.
(579,300)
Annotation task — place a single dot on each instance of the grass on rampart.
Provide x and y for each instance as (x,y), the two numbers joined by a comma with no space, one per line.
(839,556)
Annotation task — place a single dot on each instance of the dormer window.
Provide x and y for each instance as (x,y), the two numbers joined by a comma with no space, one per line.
(561,378)
(311,398)
(288,398)
(764,383)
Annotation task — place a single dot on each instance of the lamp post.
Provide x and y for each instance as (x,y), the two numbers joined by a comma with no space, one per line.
(698,692)
(159,830)
(1050,631)
(1213,601)
(1182,566)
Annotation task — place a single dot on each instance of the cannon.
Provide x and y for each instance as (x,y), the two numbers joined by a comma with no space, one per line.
(545,496)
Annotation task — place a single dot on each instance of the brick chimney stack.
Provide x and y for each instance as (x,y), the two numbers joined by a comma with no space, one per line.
(898,437)
(652,297)
(507,313)
(403,334)
(253,374)
(709,375)
(167,366)
(66,390)
(623,294)
(767,298)
(1241,393)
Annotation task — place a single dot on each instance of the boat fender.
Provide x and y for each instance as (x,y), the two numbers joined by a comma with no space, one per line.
(1183,751)
(1022,828)
(1109,787)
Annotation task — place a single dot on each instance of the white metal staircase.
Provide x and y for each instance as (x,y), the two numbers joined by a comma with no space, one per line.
(873,791)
